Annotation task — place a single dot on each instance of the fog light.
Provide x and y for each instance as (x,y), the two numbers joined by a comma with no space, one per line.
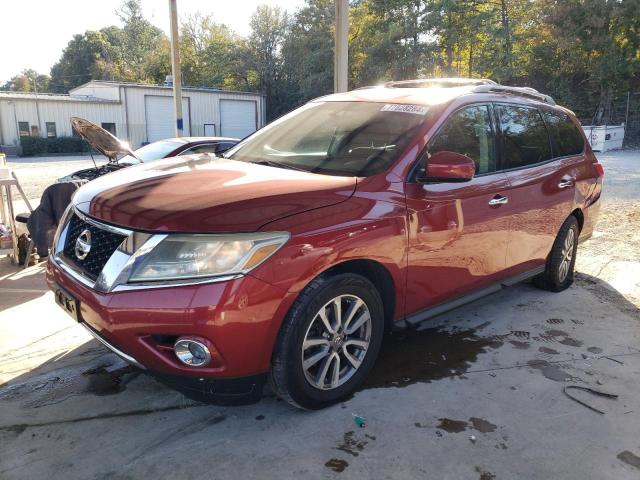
(192,352)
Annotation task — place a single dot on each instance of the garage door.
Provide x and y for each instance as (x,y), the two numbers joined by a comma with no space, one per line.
(237,118)
(160,117)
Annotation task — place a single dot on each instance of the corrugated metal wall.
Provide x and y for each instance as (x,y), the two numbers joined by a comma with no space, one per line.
(128,113)
(204,109)
(14,110)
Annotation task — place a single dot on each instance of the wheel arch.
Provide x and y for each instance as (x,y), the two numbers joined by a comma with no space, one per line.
(580,217)
(377,274)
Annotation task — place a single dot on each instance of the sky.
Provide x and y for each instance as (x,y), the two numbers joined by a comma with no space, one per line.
(34,32)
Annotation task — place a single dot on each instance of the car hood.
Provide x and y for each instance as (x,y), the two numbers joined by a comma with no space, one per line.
(206,194)
(100,139)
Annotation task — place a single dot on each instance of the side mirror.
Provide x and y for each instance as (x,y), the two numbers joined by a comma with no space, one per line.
(446,166)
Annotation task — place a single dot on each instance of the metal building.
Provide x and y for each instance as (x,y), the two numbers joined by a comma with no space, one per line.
(137,113)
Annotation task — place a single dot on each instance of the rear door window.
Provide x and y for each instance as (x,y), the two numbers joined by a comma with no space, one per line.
(525,140)
(224,146)
(567,139)
(204,148)
(469,132)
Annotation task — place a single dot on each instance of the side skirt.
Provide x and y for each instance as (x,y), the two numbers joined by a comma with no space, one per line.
(428,313)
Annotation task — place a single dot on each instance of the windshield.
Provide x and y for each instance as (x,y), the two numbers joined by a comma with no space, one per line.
(153,151)
(335,138)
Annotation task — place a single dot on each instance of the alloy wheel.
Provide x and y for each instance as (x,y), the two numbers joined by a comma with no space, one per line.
(566,255)
(336,342)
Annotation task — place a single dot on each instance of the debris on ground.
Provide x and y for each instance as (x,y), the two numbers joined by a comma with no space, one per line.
(614,360)
(590,390)
(359,421)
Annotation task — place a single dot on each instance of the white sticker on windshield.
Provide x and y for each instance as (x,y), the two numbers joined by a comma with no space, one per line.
(404,108)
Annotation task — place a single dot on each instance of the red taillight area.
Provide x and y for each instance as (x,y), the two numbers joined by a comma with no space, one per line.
(600,169)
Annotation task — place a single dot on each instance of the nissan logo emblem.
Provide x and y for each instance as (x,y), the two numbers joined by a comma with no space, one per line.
(83,245)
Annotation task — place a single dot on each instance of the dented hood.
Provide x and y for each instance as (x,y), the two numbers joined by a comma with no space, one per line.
(206,194)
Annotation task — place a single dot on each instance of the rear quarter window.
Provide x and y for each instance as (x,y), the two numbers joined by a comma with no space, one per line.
(567,139)
(525,140)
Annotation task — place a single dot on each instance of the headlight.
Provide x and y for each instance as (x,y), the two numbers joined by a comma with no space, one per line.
(180,257)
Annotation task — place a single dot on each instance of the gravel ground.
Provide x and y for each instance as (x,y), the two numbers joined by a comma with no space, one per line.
(614,252)
(35,174)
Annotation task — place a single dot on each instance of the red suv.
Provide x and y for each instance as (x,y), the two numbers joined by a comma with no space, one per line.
(289,258)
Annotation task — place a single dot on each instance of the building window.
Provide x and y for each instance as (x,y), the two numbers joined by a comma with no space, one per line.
(51,129)
(109,127)
(23,129)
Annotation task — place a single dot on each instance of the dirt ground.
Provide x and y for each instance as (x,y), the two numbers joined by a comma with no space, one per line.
(477,393)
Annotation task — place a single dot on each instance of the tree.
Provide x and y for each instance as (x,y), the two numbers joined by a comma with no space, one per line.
(307,53)
(268,28)
(585,51)
(210,54)
(138,39)
(28,81)
(87,56)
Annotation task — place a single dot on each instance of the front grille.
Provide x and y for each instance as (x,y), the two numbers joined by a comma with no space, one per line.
(103,244)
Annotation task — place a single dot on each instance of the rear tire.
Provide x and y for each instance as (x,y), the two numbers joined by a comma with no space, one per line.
(558,274)
(328,342)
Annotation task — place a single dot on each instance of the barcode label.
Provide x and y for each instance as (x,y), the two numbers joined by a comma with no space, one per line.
(404,108)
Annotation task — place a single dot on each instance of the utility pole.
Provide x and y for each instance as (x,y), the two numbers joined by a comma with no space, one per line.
(175,67)
(626,117)
(35,91)
(341,53)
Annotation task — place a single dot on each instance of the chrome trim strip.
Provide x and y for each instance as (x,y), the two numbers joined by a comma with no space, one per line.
(119,274)
(102,226)
(69,270)
(120,353)
(146,286)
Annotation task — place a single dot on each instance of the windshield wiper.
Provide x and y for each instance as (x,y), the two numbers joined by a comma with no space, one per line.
(271,163)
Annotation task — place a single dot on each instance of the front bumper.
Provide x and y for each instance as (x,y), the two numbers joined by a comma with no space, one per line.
(113,348)
(239,319)
(219,391)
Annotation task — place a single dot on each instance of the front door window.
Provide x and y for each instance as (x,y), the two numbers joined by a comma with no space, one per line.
(469,132)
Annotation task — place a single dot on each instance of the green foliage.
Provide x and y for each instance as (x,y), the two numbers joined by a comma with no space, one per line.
(28,81)
(39,146)
(138,51)
(579,51)
(307,54)
(210,54)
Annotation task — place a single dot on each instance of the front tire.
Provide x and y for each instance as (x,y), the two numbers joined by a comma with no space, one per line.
(328,342)
(558,274)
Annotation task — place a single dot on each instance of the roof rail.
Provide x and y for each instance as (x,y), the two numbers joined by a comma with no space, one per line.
(438,82)
(521,91)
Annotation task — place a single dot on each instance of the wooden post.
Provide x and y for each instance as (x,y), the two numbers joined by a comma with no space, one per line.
(175,67)
(341,55)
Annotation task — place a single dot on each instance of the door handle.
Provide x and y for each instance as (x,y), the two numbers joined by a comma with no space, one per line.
(565,184)
(498,200)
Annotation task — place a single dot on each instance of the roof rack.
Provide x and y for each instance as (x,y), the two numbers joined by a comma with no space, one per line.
(521,91)
(438,82)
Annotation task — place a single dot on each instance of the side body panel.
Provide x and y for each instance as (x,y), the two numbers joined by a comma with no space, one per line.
(371,225)
(537,208)
(457,241)
(541,197)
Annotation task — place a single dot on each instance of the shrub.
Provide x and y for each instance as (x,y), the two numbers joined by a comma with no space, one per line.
(38,146)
